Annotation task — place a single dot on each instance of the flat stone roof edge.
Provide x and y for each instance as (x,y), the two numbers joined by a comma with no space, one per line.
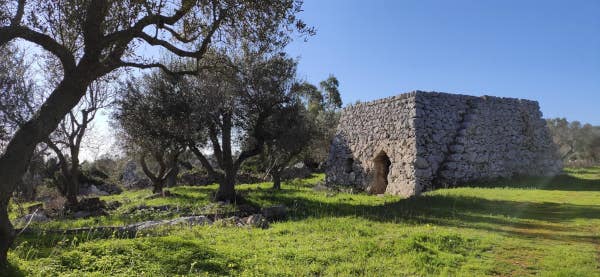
(414,93)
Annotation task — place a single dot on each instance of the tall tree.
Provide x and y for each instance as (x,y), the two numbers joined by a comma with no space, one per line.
(242,101)
(323,105)
(92,38)
(295,132)
(69,136)
(155,114)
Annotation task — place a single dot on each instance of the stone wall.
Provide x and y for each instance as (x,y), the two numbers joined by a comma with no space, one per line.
(367,130)
(438,140)
(465,138)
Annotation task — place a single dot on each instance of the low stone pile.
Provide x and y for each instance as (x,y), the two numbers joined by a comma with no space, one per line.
(299,170)
(102,189)
(256,220)
(87,207)
(195,178)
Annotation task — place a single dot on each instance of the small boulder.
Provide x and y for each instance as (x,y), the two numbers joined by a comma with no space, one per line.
(299,170)
(138,184)
(192,220)
(82,214)
(95,191)
(129,176)
(36,217)
(321,187)
(231,221)
(256,220)
(196,178)
(91,204)
(113,205)
(110,188)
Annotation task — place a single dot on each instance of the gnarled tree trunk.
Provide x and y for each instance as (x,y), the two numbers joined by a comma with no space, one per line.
(157,186)
(18,152)
(166,171)
(276,175)
(226,191)
(171,178)
(7,233)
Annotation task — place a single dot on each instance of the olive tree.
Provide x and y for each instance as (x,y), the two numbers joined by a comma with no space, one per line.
(154,115)
(66,140)
(323,104)
(577,142)
(242,101)
(295,133)
(92,38)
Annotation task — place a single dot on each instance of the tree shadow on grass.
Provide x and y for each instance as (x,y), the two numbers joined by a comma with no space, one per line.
(11,270)
(559,182)
(175,255)
(584,170)
(518,218)
(183,257)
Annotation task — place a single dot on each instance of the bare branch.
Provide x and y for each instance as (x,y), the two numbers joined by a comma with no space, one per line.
(16,21)
(157,65)
(145,168)
(151,19)
(205,163)
(61,52)
(247,154)
(172,48)
(61,157)
(179,37)
(215,144)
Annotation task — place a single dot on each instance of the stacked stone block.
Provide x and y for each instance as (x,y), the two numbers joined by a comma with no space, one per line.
(438,140)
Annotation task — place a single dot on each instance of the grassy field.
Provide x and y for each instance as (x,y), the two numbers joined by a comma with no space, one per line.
(546,227)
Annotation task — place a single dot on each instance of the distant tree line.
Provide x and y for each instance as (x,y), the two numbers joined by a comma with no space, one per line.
(578,144)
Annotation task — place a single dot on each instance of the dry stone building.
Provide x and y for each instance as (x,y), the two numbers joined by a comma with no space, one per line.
(420,141)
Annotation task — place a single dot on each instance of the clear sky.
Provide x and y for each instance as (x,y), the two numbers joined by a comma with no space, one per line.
(547,51)
(543,50)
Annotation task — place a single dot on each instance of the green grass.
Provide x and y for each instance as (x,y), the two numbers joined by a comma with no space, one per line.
(546,227)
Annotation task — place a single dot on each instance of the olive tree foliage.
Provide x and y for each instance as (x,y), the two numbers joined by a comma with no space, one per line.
(156,114)
(578,144)
(323,104)
(91,38)
(18,101)
(244,103)
(295,133)
(18,97)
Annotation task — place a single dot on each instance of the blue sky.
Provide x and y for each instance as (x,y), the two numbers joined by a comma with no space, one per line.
(547,51)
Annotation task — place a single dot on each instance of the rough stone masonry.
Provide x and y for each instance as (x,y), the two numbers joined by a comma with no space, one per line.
(419,141)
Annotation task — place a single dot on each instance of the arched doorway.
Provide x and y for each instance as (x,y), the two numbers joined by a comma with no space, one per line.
(382,169)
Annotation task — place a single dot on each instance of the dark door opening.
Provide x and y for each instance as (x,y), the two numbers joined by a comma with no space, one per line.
(349,163)
(382,169)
